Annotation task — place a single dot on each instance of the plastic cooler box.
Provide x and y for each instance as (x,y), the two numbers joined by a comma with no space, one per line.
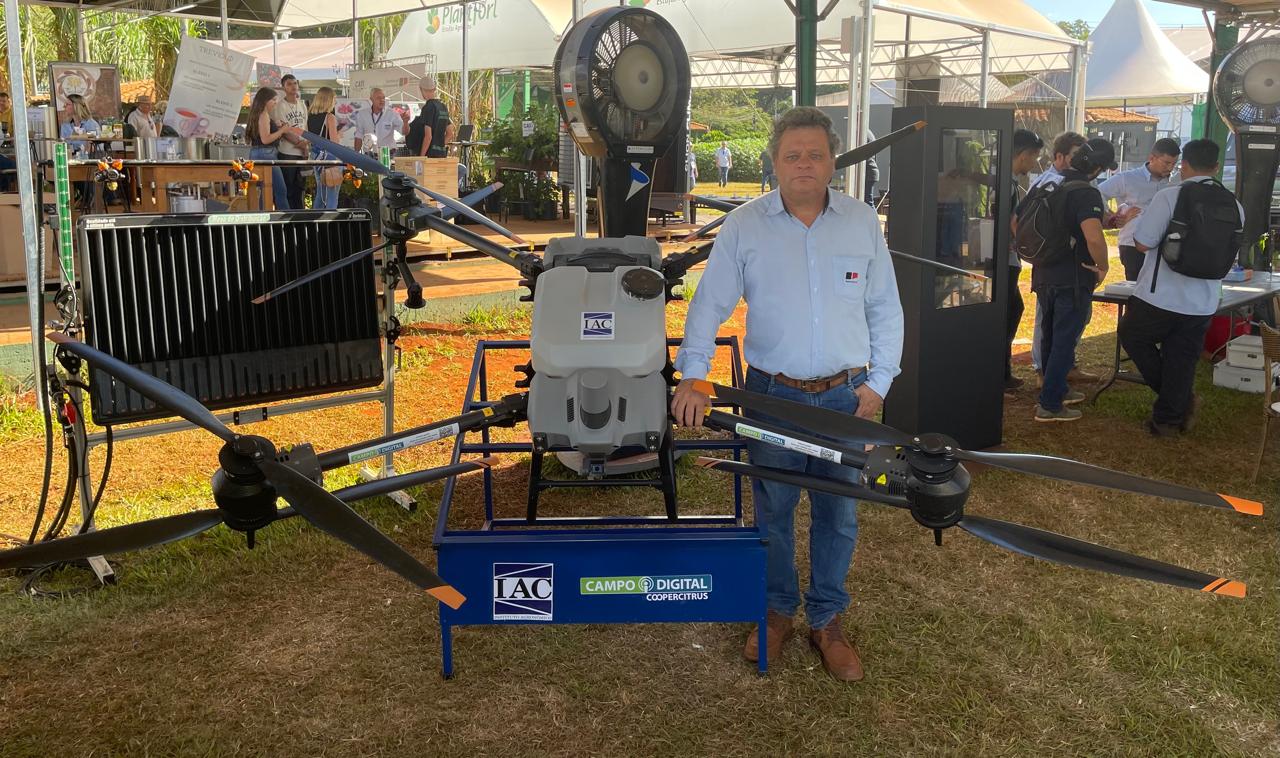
(1245,351)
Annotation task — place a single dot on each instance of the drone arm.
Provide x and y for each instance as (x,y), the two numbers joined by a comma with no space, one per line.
(412,479)
(786,438)
(676,265)
(819,483)
(863,152)
(525,263)
(506,411)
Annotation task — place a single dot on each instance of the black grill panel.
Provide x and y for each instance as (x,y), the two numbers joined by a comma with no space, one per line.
(171,295)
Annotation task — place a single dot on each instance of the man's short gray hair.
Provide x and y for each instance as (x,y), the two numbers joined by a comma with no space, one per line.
(376,91)
(800,117)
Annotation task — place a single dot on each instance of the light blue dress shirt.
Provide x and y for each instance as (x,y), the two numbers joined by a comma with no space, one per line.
(79,148)
(1051,174)
(820,299)
(1134,188)
(1174,292)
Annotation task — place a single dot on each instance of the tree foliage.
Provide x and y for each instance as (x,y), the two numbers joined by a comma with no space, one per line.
(1078,28)
(736,112)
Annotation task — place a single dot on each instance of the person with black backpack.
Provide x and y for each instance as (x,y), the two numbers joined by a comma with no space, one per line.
(1058,230)
(1190,235)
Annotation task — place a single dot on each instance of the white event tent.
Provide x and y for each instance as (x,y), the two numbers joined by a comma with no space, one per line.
(1132,59)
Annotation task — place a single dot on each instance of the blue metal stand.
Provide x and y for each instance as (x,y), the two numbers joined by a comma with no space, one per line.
(598,569)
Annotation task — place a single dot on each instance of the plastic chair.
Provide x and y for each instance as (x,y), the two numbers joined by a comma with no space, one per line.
(1271,399)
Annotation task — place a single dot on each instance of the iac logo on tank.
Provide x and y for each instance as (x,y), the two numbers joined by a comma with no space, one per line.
(654,588)
(523,591)
(597,325)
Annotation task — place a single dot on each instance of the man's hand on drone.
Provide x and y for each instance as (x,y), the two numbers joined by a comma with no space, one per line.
(689,406)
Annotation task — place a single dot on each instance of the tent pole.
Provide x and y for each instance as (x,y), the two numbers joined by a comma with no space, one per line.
(986,68)
(27,193)
(806,12)
(867,49)
(355,35)
(222,17)
(1075,111)
(1225,37)
(579,158)
(465,95)
(852,28)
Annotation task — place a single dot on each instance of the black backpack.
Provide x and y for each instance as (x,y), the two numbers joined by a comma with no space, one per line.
(1043,236)
(1203,237)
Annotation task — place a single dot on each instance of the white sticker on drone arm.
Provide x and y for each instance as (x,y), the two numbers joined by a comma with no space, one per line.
(421,438)
(772,438)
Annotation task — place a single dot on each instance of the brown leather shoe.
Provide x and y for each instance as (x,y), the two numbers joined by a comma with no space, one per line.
(839,657)
(1080,376)
(778,629)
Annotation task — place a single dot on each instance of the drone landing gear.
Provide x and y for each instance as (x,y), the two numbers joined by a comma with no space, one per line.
(596,470)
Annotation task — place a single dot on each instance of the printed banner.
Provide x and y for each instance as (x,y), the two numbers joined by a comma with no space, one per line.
(98,84)
(208,89)
(269,74)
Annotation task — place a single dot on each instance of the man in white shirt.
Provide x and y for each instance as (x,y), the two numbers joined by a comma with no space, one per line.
(379,121)
(724,162)
(1133,189)
(1168,314)
(292,110)
(144,126)
(824,327)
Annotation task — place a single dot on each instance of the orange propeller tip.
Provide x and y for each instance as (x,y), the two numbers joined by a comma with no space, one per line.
(705,387)
(1228,587)
(1251,507)
(488,461)
(706,462)
(447,595)
(498,185)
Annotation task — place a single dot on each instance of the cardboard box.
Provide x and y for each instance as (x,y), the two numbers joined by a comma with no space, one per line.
(13,250)
(436,174)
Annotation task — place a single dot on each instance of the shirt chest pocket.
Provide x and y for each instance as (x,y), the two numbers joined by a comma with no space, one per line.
(848,276)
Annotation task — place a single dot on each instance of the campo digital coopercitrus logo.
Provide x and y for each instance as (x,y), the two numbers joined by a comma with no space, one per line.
(433,21)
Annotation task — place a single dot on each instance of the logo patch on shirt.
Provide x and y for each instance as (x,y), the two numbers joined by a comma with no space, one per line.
(597,325)
(851,277)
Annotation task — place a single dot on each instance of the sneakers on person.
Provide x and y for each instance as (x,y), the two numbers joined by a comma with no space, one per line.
(1066,414)
(1012,383)
(1162,430)
(1073,397)
(1079,376)
(1189,420)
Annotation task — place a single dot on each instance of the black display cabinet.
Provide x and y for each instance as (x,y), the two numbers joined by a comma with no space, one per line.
(951,203)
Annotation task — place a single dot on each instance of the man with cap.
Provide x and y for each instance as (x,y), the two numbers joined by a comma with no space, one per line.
(432,129)
(144,127)
(1064,283)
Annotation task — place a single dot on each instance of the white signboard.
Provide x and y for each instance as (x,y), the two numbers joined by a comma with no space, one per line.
(208,89)
(399,82)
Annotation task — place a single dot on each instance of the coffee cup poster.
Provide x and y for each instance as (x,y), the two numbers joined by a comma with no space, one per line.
(99,85)
(208,89)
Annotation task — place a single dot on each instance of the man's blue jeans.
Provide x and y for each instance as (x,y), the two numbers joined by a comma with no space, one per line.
(833,530)
(1066,311)
(724,175)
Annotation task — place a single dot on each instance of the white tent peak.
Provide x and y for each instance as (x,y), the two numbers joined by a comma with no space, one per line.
(1133,59)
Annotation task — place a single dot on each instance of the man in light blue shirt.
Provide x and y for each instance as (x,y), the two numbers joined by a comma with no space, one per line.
(1133,189)
(1168,314)
(824,327)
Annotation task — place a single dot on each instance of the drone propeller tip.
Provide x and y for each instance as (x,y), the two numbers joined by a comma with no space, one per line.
(705,387)
(706,462)
(489,461)
(448,595)
(1250,507)
(920,124)
(260,299)
(1228,587)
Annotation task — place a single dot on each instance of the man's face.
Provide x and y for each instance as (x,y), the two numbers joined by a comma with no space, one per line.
(378,99)
(804,163)
(1025,161)
(1161,165)
(1062,161)
(429,94)
(5,104)
(145,107)
(291,89)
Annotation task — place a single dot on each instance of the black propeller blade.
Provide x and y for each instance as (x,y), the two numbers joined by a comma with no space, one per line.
(117,539)
(1069,551)
(332,516)
(863,152)
(1067,470)
(842,426)
(160,392)
(324,270)
(369,165)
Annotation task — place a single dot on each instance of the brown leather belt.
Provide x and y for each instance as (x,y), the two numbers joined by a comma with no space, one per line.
(815,386)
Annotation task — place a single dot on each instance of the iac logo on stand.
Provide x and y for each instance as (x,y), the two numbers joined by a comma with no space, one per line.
(597,325)
(523,591)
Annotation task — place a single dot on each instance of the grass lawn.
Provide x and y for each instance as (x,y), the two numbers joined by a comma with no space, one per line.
(302,647)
